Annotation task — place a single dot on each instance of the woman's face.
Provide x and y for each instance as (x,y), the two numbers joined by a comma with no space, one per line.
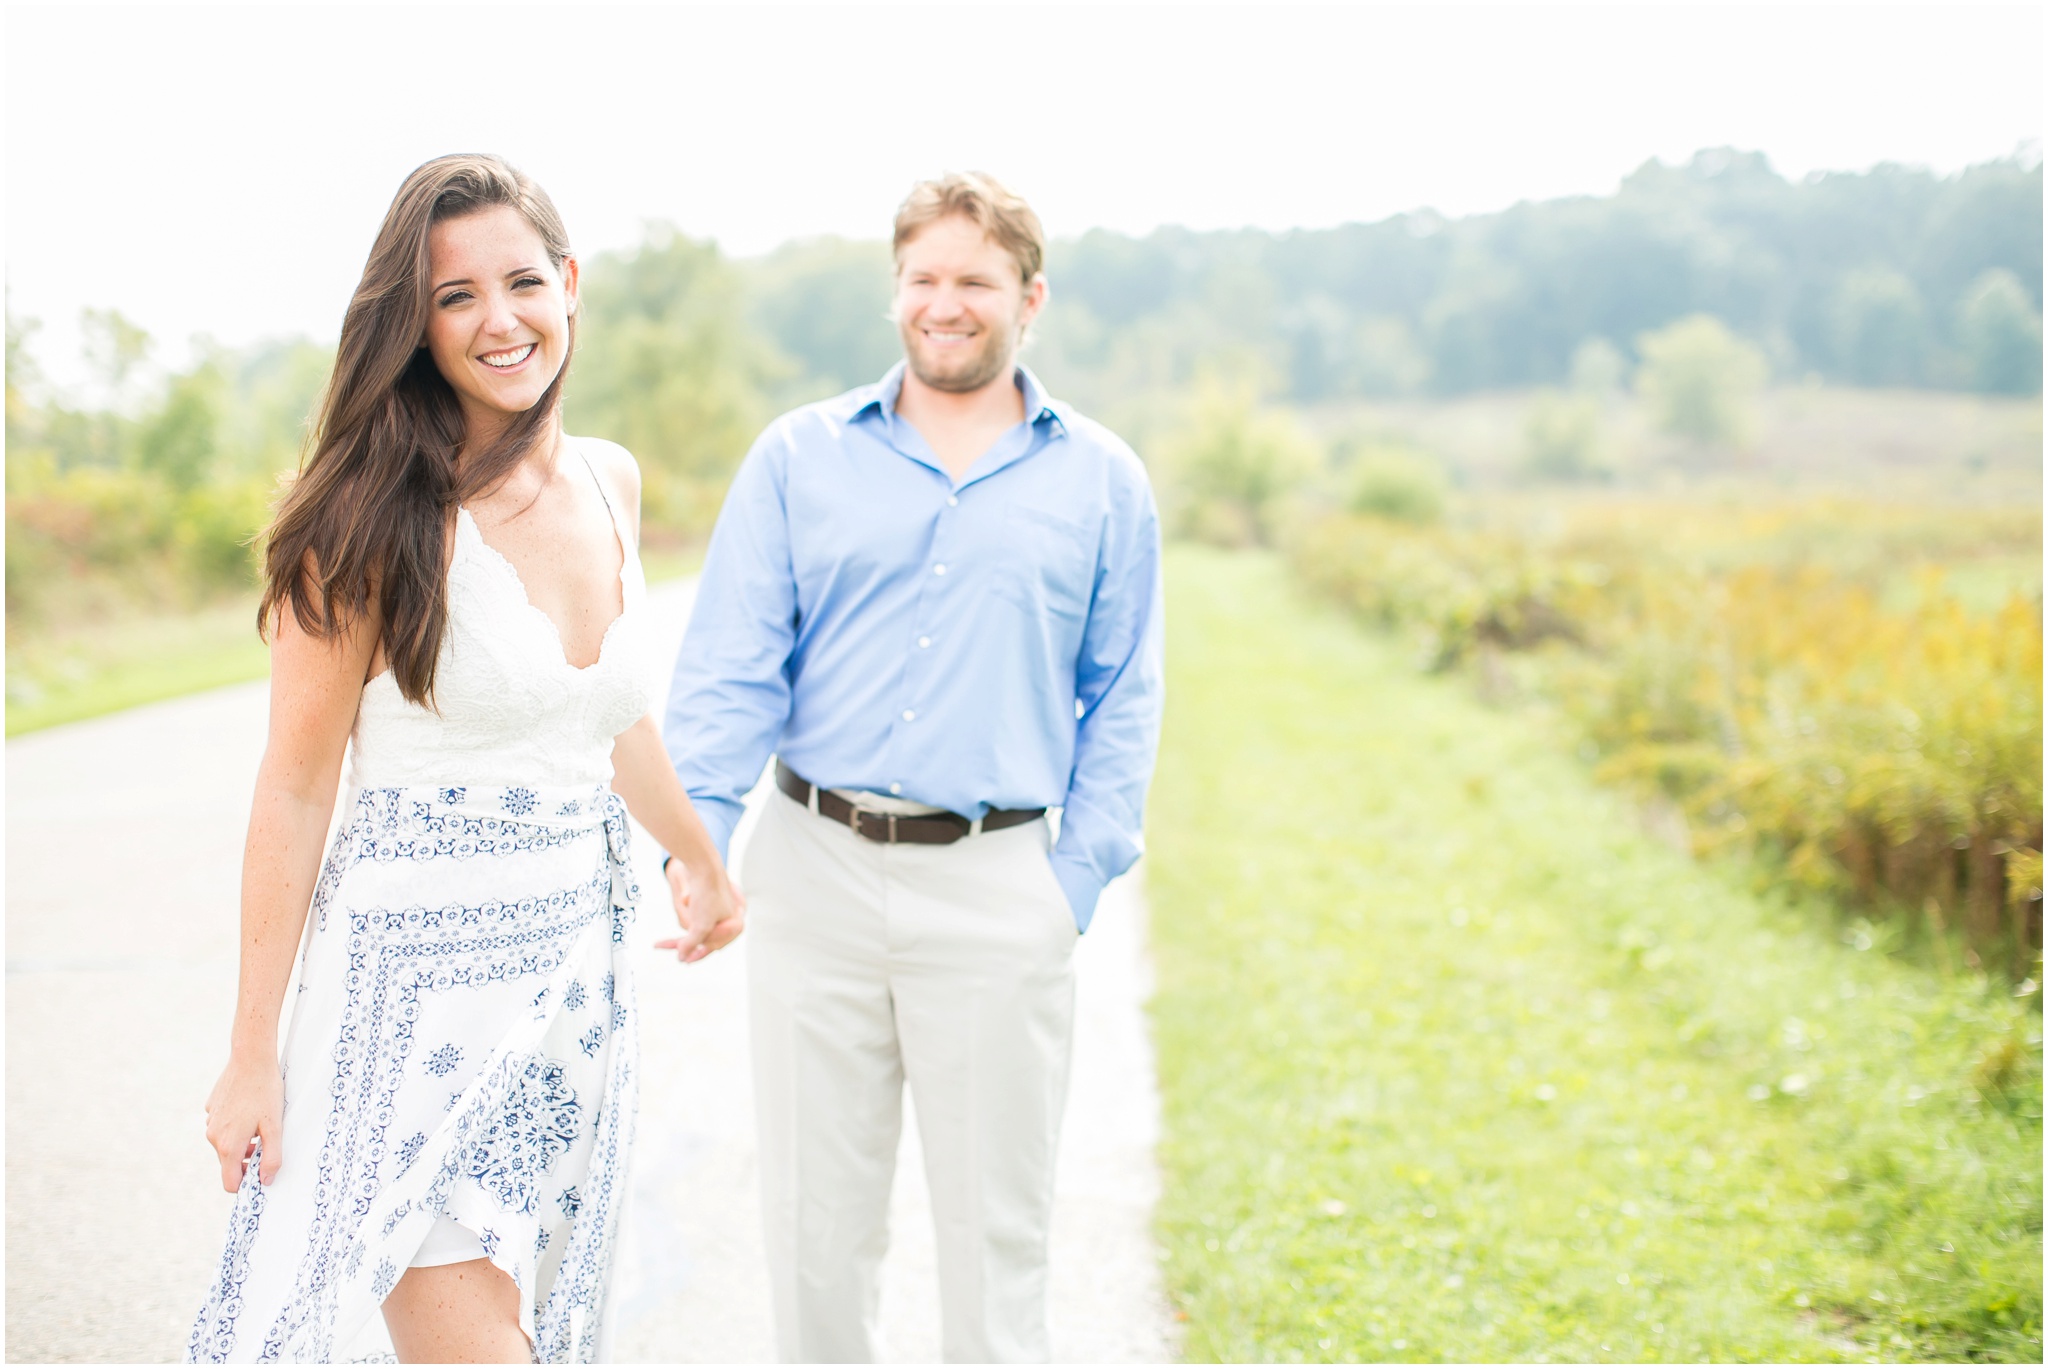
(498,318)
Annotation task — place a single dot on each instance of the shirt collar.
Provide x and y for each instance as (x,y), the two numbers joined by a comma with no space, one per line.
(1038,407)
(882,394)
(1037,403)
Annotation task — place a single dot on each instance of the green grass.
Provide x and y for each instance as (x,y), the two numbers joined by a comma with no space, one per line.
(1459,1064)
(70,674)
(82,672)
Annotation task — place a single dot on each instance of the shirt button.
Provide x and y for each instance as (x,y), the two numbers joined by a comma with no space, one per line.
(895,788)
(952,501)
(910,715)
(924,641)
(939,569)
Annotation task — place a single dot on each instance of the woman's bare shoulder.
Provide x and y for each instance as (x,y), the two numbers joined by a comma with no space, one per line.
(615,464)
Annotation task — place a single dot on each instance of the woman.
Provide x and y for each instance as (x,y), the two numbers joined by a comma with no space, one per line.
(452,586)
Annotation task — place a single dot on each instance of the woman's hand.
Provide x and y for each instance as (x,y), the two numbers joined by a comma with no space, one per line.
(245,1110)
(710,909)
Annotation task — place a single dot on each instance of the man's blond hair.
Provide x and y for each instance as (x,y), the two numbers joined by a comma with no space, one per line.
(983,200)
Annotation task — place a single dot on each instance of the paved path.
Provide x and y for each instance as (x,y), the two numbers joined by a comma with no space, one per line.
(123,842)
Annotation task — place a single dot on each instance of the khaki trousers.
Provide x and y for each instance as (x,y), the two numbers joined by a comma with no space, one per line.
(947,966)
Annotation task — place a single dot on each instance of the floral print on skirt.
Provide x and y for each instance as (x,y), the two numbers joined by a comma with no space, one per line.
(462,1042)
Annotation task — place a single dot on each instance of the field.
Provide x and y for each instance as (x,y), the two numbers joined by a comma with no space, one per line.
(121,658)
(1805,438)
(1462,1063)
(1852,688)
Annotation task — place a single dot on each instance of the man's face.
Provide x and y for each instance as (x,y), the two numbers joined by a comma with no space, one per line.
(961,306)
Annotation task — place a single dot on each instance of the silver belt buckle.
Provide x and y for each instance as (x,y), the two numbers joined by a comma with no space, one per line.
(853,820)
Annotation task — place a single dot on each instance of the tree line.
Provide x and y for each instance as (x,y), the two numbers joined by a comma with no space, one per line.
(1891,277)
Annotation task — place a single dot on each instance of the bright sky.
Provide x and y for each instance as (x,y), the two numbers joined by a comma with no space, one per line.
(223,169)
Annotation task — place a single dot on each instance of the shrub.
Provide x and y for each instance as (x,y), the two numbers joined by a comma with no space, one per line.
(216,531)
(1700,380)
(1882,746)
(1598,368)
(1463,588)
(1230,466)
(2001,335)
(1396,482)
(1562,438)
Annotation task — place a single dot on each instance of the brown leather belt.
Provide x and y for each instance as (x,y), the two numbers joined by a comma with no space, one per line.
(926,829)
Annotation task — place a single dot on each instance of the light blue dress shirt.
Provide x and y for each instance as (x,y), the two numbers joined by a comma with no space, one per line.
(990,643)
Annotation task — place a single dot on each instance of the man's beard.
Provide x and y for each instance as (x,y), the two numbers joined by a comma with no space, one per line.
(991,364)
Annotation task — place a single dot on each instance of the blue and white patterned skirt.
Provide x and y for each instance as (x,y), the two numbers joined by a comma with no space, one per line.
(462,1043)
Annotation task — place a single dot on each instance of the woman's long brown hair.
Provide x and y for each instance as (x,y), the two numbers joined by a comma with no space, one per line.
(370,513)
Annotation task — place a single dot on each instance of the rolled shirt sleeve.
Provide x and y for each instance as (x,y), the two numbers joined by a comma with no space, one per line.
(730,694)
(1120,691)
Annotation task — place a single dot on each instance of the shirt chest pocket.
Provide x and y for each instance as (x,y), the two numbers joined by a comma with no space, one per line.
(1044,563)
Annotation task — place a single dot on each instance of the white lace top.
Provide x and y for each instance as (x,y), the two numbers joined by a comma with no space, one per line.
(511,709)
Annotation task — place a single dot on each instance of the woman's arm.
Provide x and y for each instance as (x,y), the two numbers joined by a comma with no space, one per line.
(709,906)
(315,687)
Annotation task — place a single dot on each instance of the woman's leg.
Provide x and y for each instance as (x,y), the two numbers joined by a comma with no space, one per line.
(465,1313)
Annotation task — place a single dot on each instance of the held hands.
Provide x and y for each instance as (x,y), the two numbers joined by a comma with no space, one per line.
(710,908)
(245,1115)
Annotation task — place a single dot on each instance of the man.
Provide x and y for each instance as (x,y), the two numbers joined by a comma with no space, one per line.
(937,600)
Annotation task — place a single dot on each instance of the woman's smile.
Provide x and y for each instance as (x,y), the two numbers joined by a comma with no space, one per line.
(499,325)
(509,358)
